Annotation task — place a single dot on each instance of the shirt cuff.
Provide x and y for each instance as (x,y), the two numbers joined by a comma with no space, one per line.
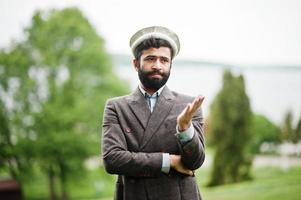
(185,136)
(165,163)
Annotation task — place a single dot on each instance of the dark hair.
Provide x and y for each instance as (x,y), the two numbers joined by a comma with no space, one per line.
(151,43)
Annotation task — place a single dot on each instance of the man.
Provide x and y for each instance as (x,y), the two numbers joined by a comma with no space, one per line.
(153,138)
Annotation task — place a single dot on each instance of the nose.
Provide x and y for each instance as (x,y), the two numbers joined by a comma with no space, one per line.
(157,64)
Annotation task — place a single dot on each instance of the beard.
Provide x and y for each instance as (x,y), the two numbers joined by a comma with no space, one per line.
(150,82)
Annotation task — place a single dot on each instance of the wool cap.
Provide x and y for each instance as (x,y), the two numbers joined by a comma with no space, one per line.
(156,32)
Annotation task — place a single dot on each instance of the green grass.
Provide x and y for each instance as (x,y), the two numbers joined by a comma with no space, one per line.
(96,184)
(268,183)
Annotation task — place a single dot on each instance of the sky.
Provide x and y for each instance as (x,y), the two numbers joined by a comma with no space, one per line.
(238,32)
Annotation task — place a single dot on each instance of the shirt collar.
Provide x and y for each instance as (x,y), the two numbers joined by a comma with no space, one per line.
(157,93)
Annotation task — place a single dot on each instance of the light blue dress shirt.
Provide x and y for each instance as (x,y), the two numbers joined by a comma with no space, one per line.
(183,137)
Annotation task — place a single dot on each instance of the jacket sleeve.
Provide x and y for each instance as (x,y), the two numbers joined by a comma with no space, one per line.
(116,157)
(193,151)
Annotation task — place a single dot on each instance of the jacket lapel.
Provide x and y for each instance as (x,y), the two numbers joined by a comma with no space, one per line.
(139,107)
(161,110)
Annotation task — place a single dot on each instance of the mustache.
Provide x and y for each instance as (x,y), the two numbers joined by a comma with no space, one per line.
(154,72)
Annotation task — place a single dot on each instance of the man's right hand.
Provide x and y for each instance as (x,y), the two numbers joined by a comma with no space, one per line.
(176,163)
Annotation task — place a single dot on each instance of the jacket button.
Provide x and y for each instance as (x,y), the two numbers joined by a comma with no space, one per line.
(127,130)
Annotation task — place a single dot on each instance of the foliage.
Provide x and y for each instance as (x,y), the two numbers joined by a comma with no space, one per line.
(287,129)
(57,81)
(230,132)
(289,132)
(298,131)
(14,107)
(263,130)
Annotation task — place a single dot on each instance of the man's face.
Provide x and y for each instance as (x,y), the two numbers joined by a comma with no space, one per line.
(154,67)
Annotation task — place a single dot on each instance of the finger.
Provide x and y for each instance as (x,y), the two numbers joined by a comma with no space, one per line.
(197,103)
(201,99)
(186,171)
(186,111)
(189,172)
(191,108)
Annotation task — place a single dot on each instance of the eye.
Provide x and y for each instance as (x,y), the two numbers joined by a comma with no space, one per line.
(150,58)
(164,60)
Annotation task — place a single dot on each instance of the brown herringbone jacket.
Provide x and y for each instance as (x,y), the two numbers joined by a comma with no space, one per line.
(134,139)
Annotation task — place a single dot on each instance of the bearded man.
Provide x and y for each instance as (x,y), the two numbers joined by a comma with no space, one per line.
(153,138)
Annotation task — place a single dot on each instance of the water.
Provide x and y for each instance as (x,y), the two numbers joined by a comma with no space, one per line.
(272,91)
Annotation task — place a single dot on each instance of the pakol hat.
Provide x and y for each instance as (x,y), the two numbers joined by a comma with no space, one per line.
(156,32)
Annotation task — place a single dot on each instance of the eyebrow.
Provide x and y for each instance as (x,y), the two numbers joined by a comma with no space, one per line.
(153,56)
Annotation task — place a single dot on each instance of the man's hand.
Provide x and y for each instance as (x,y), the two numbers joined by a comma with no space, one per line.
(176,163)
(185,117)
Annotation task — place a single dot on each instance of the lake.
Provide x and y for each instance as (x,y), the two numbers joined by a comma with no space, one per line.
(272,91)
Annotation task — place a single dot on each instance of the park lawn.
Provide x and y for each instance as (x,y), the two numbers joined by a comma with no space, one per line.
(268,183)
(96,184)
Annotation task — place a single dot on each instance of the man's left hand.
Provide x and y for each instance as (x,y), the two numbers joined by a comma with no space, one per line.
(185,117)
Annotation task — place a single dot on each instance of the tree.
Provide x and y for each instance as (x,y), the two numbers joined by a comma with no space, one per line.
(288,132)
(263,130)
(287,128)
(230,122)
(65,76)
(15,153)
(297,131)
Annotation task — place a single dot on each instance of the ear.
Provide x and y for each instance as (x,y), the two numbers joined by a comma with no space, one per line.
(136,64)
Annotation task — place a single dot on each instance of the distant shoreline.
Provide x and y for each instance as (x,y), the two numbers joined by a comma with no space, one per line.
(125,60)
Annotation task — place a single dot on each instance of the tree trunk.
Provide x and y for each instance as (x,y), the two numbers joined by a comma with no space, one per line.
(64,195)
(51,182)
(12,170)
